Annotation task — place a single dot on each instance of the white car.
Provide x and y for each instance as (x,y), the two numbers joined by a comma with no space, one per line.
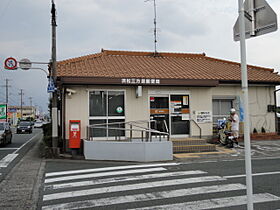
(38,124)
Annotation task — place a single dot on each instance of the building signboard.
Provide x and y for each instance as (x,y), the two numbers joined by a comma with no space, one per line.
(140,81)
(3,112)
(204,117)
(12,109)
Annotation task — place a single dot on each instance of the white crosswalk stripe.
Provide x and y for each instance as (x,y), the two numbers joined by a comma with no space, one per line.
(121,179)
(146,196)
(90,188)
(111,173)
(130,187)
(109,169)
(216,203)
(7,160)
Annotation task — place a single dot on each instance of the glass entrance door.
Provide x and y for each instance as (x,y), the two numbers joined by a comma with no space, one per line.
(170,113)
(159,113)
(180,115)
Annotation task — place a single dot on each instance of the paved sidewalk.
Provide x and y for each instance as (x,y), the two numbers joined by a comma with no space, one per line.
(20,189)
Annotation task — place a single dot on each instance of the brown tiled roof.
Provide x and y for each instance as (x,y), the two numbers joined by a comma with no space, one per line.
(129,64)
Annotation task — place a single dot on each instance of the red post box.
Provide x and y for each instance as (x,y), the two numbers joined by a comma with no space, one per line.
(74,134)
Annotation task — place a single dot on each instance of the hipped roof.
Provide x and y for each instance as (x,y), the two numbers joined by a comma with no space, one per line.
(185,66)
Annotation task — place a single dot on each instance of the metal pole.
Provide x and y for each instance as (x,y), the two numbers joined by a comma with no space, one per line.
(54,76)
(248,166)
(21,93)
(252,13)
(7,91)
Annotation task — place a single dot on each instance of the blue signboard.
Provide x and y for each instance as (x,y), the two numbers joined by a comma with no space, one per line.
(51,87)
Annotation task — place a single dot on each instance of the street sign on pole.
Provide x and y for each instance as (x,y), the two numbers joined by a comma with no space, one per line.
(10,63)
(51,87)
(259,19)
(255,18)
(25,64)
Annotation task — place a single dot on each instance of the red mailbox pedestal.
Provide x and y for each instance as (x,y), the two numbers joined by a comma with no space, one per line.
(74,134)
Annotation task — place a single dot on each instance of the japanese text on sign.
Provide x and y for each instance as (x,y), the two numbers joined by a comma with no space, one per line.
(139,81)
(203,117)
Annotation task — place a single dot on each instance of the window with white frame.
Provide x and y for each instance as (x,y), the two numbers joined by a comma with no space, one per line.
(221,108)
(106,107)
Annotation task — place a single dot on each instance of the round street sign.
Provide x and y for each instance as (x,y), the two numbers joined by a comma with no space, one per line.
(10,63)
(25,64)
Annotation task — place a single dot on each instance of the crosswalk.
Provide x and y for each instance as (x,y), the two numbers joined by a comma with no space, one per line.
(4,162)
(149,186)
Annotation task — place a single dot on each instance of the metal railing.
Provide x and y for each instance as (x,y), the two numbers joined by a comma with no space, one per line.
(120,129)
(200,130)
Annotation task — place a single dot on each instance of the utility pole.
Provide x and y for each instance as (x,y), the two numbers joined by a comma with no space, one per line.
(7,90)
(53,77)
(21,102)
(30,99)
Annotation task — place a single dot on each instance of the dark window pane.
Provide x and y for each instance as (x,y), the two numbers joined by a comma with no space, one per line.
(116,132)
(225,107)
(179,126)
(159,102)
(97,103)
(97,132)
(116,103)
(216,107)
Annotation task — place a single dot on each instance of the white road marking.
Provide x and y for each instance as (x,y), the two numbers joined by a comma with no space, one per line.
(122,179)
(146,197)
(120,188)
(7,160)
(216,203)
(26,143)
(101,174)
(8,148)
(257,174)
(108,169)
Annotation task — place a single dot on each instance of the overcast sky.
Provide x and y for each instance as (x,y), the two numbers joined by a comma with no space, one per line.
(86,26)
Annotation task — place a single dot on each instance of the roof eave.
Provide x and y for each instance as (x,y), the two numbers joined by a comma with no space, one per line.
(251,82)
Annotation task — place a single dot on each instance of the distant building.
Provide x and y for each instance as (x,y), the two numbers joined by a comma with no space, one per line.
(17,112)
(181,91)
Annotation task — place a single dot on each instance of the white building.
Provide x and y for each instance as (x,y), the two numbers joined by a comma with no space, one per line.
(188,92)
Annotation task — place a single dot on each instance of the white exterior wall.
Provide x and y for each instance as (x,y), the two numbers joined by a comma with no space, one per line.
(259,98)
(77,105)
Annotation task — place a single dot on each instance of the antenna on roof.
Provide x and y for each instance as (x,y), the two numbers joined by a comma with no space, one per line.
(155,25)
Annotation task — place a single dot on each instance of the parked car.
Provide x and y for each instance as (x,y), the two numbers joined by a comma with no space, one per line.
(24,127)
(5,133)
(38,124)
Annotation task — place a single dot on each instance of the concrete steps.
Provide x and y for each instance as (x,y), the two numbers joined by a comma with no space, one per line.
(191,145)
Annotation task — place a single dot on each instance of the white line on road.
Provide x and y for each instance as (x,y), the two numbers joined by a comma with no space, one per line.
(7,160)
(122,179)
(101,174)
(26,143)
(108,169)
(120,188)
(216,203)
(7,148)
(257,174)
(146,197)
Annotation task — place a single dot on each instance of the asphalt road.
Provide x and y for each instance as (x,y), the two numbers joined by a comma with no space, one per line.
(216,184)
(11,154)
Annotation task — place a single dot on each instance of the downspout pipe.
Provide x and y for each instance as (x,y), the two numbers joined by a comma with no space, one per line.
(275,102)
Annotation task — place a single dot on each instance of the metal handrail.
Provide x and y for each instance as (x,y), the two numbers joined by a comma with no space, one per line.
(165,124)
(200,130)
(133,127)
